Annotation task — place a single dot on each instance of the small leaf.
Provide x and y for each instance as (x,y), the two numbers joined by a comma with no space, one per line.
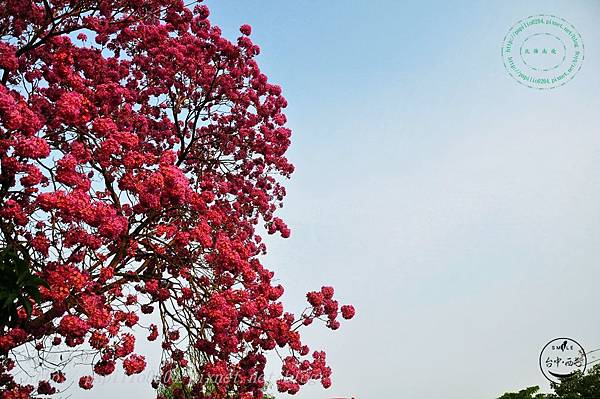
(27,306)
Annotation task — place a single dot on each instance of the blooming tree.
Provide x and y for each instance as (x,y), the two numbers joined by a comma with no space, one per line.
(141,155)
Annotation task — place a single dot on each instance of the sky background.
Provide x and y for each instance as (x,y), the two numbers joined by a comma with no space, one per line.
(458,210)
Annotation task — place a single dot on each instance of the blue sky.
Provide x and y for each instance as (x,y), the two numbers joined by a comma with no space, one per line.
(456,209)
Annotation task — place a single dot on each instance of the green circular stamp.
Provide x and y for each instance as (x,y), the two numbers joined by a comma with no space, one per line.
(542,51)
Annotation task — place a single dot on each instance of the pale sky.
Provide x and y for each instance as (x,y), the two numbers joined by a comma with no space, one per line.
(456,209)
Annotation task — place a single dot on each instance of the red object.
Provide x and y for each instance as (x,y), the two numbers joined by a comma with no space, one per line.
(139,164)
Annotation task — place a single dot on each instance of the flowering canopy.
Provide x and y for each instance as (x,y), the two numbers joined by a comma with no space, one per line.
(140,153)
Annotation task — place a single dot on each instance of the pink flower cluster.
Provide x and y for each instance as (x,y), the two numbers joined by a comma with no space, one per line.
(134,364)
(138,168)
(323,304)
(73,326)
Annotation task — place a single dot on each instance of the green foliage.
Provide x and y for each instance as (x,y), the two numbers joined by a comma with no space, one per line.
(527,393)
(579,386)
(17,287)
(178,390)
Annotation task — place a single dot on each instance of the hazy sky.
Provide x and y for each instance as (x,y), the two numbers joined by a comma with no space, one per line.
(456,209)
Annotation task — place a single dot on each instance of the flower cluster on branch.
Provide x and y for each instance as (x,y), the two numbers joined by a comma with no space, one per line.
(142,153)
